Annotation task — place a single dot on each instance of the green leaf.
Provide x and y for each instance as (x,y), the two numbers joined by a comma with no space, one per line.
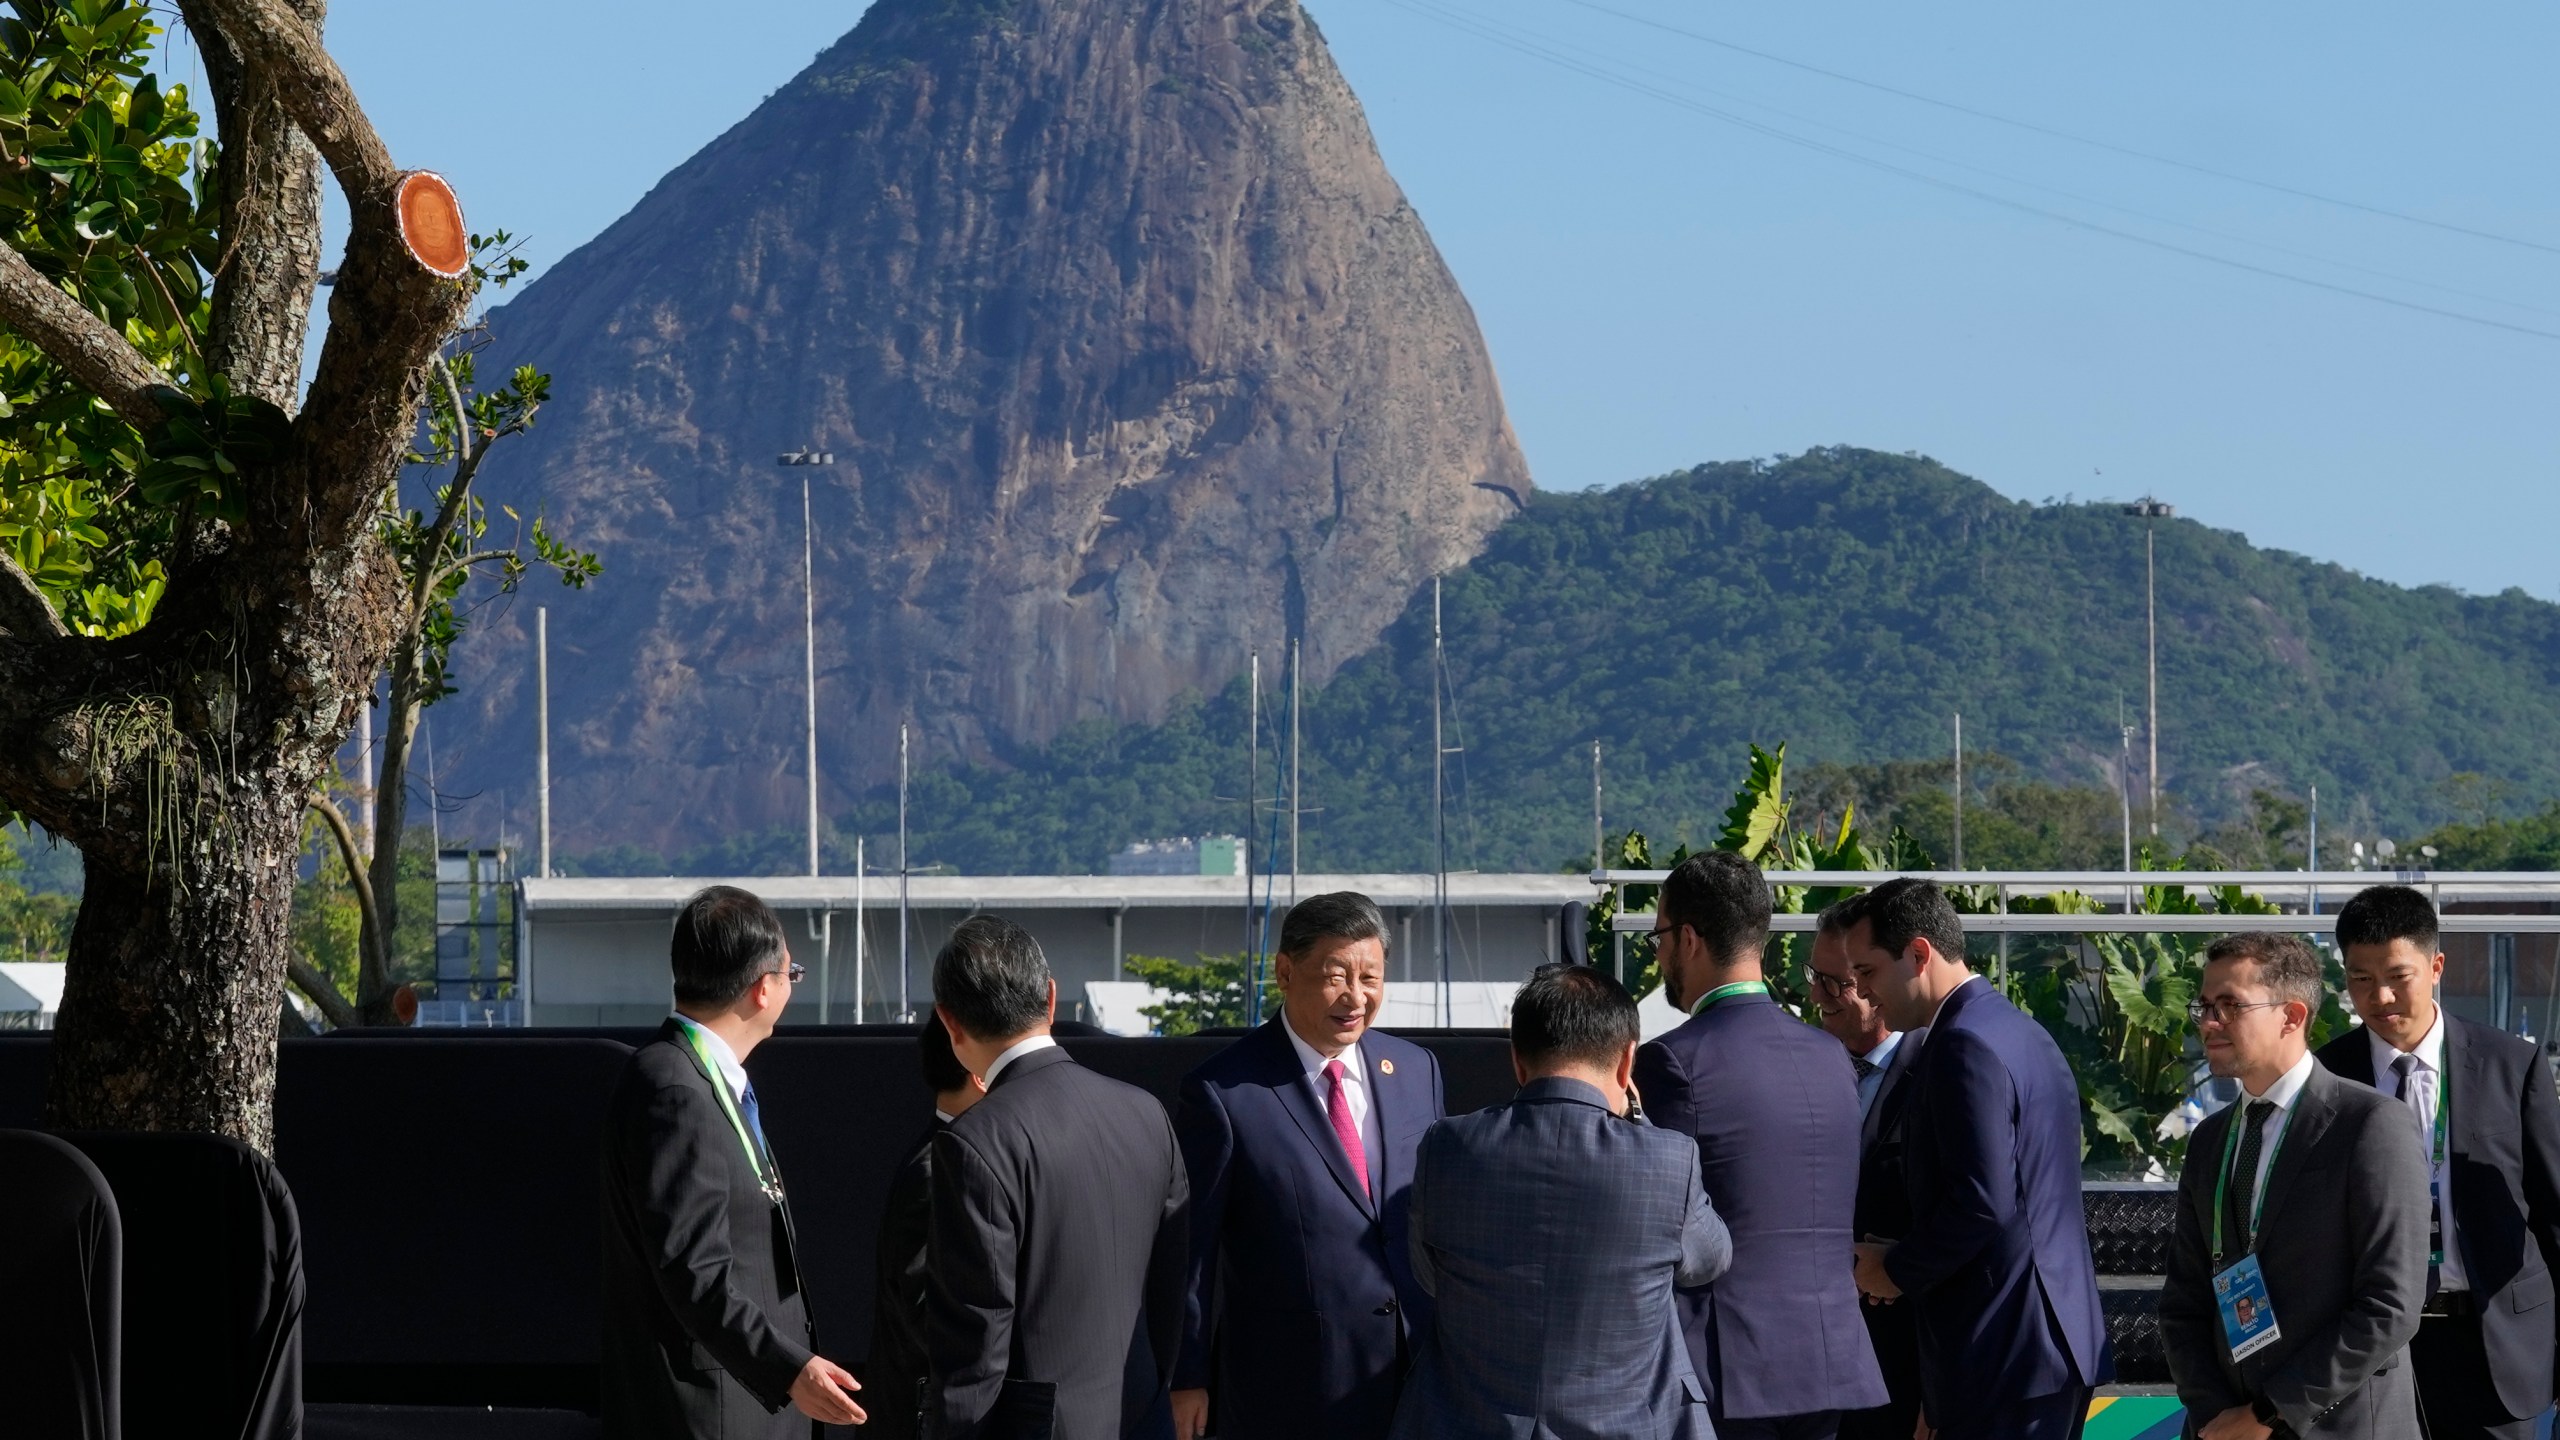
(146,111)
(1759,808)
(13,101)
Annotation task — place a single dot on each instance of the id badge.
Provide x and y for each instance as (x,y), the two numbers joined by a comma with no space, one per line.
(2248,1317)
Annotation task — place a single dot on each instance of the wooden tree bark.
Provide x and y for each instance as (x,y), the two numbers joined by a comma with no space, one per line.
(179,758)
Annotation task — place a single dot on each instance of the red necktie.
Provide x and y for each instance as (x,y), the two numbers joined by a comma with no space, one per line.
(1337,1107)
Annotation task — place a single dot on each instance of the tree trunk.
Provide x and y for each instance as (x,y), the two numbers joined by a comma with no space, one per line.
(391,818)
(169,1005)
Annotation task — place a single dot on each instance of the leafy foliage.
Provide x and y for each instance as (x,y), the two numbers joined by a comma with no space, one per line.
(105,190)
(1205,993)
(34,924)
(1849,600)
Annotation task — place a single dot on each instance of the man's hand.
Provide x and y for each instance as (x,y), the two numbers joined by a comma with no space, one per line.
(823,1392)
(1872,1281)
(1921,1429)
(2237,1423)
(1190,1414)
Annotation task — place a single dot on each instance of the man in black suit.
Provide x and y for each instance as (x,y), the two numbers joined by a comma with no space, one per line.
(898,1371)
(706,1326)
(1882,1058)
(1773,1105)
(1058,1214)
(2482,1106)
(2300,1255)
(1299,1140)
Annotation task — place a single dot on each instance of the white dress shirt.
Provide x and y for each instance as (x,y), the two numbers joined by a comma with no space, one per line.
(2286,1090)
(1355,1090)
(2428,1080)
(722,1057)
(1872,1085)
(1016,1051)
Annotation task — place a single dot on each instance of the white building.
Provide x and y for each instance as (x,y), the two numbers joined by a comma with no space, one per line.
(594,951)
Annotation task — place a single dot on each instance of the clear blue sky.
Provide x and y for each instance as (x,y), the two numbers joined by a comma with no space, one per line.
(1661,286)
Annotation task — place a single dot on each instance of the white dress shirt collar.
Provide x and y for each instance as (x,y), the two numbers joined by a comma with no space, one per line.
(1016,1051)
(2429,1049)
(722,1056)
(1312,1060)
(2287,1087)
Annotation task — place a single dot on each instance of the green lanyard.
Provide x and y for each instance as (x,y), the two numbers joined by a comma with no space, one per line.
(2222,1184)
(1738,987)
(695,1037)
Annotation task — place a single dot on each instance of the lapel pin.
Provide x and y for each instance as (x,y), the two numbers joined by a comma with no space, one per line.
(1386,1067)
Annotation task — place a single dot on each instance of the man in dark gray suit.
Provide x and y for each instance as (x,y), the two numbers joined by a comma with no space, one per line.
(1550,1232)
(1058,1215)
(2300,1259)
(706,1326)
(2481,1104)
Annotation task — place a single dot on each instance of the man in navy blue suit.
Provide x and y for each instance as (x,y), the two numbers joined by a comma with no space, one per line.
(1996,1259)
(1773,1104)
(1299,1138)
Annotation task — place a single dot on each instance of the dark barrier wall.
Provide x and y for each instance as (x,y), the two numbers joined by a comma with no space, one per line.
(450,1187)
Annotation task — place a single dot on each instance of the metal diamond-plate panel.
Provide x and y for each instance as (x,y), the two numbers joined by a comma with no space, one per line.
(2130,1227)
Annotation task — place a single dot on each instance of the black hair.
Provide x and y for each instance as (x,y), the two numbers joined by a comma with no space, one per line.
(2287,965)
(725,940)
(1898,912)
(2384,913)
(943,1072)
(1723,897)
(992,977)
(1338,915)
(1572,1013)
(1842,915)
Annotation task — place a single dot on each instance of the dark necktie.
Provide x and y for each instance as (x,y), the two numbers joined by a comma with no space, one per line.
(2405,1069)
(749,1112)
(2244,1174)
(1864,1066)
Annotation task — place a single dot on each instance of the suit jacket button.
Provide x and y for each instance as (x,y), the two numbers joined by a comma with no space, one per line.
(1387,1309)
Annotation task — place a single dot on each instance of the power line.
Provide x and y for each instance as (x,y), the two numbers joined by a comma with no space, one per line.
(2049,131)
(1597,57)
(1492,35)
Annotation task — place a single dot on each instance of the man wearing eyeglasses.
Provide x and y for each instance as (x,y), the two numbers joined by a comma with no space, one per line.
(1882,1057)
(2300,1259)
(706,1324)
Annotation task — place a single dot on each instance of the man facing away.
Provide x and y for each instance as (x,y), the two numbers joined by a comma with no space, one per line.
(706,1327)
(898,1371)
(1058,1210)
(1773,1105)
(1551,1231)
(2300,1257)
(1995,1264)
(1882,1058)
(2481,1103)
(1299,1140)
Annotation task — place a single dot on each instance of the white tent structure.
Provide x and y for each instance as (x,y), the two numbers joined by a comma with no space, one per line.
(30,993)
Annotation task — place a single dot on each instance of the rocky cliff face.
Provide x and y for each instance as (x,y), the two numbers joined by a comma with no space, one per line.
(1132,358)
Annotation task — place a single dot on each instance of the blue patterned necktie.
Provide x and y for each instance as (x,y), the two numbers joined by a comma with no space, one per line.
(748,1110)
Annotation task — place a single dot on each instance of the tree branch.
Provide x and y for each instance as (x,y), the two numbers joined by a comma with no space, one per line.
(377,955)
(78,341)
(24,612)
(323,994)
(284,50)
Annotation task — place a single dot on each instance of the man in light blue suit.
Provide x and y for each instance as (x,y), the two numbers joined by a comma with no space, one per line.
(1550,1232)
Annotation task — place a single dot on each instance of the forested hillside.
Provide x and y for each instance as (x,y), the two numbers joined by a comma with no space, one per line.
(1847,602)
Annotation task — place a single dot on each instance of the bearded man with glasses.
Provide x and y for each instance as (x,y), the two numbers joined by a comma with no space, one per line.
(2300,1260)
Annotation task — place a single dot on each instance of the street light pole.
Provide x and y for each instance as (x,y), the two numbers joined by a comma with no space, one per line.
(2152,512)
(824,930)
